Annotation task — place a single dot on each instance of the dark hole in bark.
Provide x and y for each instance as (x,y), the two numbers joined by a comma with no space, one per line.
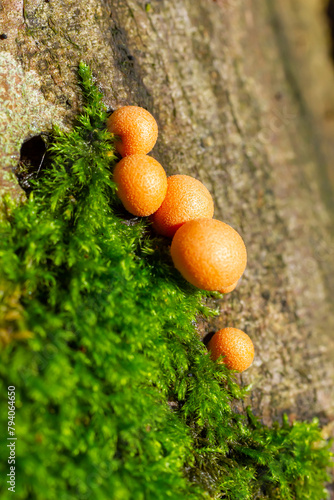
(32,151)
(32,160)
(208,337)
(330,14)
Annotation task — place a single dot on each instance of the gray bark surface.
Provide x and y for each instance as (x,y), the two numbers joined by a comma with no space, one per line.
(244,98)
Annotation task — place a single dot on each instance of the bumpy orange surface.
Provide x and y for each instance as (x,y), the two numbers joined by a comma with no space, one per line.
(141,184)
(137,129)
(186,199)
(228,289)
(235,345)
(209,254)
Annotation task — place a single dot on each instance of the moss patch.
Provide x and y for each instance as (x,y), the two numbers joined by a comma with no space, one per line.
(116,396)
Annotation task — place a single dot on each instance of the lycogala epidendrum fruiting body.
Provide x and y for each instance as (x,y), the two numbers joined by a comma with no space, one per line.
(236,347)
(136,129)
(228,289)
(186,199)
(141,184)
(209,254)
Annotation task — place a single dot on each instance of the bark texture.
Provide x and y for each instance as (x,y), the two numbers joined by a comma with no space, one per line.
(243,92)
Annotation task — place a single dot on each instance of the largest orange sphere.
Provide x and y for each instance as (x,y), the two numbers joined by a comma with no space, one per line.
(235,345)
(186,199)
(136,129)
(209,254)
(141,184)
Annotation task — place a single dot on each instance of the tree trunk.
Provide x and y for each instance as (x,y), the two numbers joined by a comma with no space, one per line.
(244,97)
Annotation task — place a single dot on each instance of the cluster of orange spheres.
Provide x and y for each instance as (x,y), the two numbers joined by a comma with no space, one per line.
(209,254)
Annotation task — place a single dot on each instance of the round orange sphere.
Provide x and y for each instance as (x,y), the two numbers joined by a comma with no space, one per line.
(141,184)
(209,254)
(228,289)
(235,345)
(136,128)
(186,199)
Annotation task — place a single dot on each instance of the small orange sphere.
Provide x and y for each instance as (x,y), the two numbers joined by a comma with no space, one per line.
(136,128)
(235,345)
(209,254)
(186,199)
(141,184)
(228,289)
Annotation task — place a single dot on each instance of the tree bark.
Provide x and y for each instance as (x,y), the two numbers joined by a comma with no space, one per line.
(244,98)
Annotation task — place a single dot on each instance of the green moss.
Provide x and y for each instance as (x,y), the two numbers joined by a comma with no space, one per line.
(116,396)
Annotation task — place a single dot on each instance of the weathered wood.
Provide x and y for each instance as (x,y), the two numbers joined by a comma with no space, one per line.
(244,97)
